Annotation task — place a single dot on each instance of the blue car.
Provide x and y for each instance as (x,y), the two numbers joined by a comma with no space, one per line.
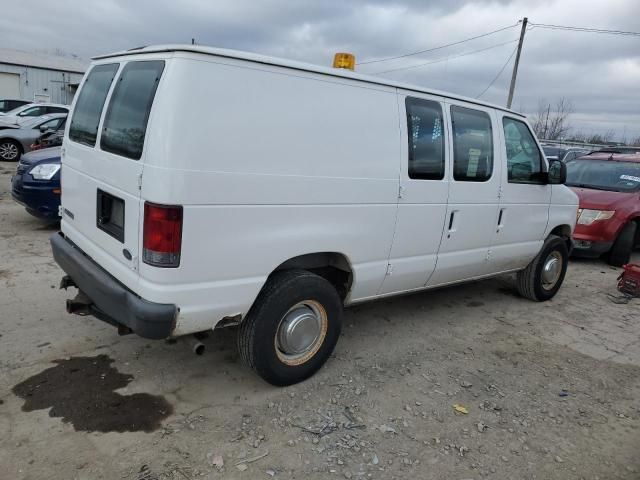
(36,184)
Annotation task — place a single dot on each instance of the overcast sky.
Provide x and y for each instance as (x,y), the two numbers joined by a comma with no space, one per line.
(599,74)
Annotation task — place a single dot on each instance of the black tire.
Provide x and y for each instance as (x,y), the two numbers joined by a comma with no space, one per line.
(531,282)
(622,248)
(257,335)
(10,145)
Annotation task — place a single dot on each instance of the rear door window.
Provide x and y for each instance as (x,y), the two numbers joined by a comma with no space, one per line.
(86,114)
(125,124)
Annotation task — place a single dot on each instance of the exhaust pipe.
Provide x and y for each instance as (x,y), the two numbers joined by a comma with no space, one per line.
(196,345)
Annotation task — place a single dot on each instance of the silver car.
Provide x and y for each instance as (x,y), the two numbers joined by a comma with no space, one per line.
(23,114)
(17,139)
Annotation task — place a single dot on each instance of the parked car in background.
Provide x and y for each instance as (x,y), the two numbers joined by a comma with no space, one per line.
(22,114)
(609,216)
(36,184)
(16,140)
(7,104)
(622,149)
(564,154)
(50,138)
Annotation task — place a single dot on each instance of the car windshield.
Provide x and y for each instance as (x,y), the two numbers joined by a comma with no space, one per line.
(553,151)
(604,175)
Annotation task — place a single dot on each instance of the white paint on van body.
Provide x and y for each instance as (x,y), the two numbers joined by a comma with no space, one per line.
(271,162)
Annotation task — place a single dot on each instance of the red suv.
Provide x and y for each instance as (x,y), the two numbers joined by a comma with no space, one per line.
(608,185)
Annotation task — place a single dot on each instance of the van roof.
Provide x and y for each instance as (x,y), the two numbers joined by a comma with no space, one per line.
(334,72)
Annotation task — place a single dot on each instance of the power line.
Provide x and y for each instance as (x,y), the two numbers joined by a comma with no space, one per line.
(438,48)
(499,73)
(585,29)
(447,58)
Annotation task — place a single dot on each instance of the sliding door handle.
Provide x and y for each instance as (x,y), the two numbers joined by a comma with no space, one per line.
(452,223)
(501,219)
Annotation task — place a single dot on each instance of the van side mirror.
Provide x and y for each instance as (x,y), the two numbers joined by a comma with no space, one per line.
(557,174)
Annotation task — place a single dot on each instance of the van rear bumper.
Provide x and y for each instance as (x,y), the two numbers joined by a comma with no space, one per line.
(110,300)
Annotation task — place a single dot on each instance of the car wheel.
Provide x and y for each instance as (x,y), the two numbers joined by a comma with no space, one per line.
(622,248)
(543,277)
(10,151)
(292,328)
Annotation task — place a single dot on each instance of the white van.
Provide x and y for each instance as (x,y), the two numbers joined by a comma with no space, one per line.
(205,188)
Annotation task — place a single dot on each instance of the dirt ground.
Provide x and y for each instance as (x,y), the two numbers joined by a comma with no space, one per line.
(551,391)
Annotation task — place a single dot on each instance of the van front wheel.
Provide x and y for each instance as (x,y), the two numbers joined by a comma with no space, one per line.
(292,328)
(542,278)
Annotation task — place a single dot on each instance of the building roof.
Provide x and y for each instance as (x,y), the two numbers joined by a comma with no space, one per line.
(43,60)
(334,72)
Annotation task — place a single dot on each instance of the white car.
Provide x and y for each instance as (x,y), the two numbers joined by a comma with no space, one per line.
(19,115)
(293,191)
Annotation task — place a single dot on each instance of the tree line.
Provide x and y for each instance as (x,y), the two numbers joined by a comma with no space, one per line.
(552,122)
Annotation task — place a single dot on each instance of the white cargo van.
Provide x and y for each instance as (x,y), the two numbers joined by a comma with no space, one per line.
(205,188)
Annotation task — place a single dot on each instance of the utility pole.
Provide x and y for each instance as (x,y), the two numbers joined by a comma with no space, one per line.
(512,87)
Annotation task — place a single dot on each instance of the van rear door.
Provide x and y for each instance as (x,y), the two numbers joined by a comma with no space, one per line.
(103,162)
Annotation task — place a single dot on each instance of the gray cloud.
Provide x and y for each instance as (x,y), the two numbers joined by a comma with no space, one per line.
(599,74)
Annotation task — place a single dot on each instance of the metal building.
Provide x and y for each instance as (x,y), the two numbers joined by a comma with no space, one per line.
(39,77)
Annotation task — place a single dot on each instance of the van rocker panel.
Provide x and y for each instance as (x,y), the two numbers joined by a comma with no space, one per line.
(115,304)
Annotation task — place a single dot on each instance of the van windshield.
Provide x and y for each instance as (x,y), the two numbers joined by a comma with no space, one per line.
(125,124)
(604,175)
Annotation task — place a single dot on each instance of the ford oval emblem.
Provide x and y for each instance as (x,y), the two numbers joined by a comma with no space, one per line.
(127,254)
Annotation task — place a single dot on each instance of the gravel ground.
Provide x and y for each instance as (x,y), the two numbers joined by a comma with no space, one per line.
(546,391)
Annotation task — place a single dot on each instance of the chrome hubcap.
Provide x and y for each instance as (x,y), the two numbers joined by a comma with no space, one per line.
(301,332)
(8,151)
(551,270)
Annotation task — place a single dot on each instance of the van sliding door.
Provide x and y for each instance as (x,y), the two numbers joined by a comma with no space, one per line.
(473,195)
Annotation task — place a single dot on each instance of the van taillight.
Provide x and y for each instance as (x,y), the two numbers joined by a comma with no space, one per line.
(162,235)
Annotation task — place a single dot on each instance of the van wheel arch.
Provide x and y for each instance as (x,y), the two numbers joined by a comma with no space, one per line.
(335,267)
(564,232)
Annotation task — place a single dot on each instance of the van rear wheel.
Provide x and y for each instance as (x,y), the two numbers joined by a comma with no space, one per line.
(292,328)
(543,277)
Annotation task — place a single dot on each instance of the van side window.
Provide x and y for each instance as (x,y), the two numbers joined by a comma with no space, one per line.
(524,160)
(125,124)
(426,139)
(472,145)
(86,114)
